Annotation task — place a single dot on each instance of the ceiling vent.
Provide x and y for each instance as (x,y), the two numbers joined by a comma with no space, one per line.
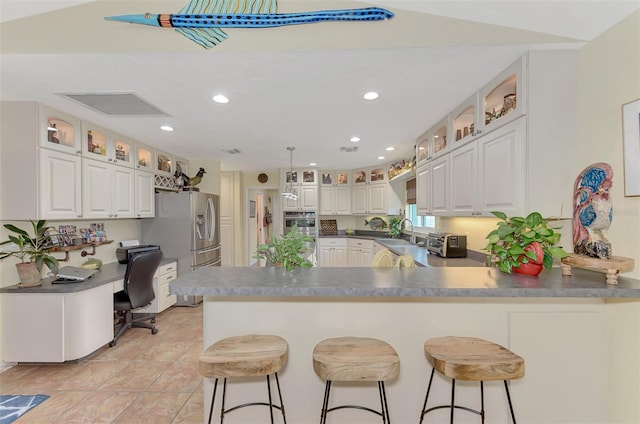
(116,104)
(231,151)
(349,149)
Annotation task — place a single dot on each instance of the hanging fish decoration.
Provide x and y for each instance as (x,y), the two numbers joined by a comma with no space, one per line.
(201,20)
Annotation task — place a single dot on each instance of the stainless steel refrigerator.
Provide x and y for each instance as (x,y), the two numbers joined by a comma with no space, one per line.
(186,227)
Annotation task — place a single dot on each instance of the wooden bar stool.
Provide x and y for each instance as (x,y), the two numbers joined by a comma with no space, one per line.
(471,359)
(355,359)
(245,356)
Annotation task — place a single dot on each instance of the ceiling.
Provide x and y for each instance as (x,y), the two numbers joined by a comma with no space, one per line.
(298,86)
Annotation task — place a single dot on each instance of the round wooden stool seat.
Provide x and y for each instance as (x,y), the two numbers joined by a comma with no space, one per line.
(244,356)
(473,359)
(355,359)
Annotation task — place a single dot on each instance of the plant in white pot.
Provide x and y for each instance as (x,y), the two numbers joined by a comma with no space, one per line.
(523,244)
(32,251)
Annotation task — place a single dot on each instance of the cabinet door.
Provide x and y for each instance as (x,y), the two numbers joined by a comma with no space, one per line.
(359,199)
(503,98)
(59,131)
(377,175)
(327,201)
(308,198)
(377,198)
(123,151)
(366,257)
(123,197)
(354,256)
(502,169)
(292,204)
(96,142)
(145,157)
(96,189)
(464,180)
(342,200)
(164,163)
(226,242)
(340,258)
(145,206)
(440,186)
(60,185)
(423,190)
(324,256)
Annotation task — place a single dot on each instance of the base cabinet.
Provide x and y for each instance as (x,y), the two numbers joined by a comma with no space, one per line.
(360,252)
(332,252)
(161,279)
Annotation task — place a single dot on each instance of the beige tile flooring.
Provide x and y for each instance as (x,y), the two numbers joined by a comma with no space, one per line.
(145,378)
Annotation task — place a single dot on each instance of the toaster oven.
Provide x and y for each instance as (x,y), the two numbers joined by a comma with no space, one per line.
(447,245)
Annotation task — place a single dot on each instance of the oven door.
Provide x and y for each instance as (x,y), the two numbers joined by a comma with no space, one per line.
(305,222)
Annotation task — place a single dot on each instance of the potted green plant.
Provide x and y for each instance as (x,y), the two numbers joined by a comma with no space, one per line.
(288,251)
(396,225)
(523,245)
(32,251)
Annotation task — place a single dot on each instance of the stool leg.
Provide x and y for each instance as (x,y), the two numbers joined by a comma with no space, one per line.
(213,398)
(383,402)
(453,396)
(424,407)
(270,400)
(284,418)
(224,394)
(482,401)
(325,403)
(506,388)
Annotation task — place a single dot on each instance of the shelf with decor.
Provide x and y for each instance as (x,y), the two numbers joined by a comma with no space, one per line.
(67,249)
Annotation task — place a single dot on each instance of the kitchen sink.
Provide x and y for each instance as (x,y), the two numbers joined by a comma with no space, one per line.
(395,242)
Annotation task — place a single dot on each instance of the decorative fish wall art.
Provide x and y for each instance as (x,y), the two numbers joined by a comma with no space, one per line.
(201,20)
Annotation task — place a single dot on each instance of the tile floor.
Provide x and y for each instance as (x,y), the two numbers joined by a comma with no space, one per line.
(145,378)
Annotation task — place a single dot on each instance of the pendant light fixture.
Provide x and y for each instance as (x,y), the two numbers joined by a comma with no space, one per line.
(289,192)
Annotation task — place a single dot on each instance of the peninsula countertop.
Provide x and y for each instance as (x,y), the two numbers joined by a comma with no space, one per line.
(395,282)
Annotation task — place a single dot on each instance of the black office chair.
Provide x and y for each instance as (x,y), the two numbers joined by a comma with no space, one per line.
(138,292)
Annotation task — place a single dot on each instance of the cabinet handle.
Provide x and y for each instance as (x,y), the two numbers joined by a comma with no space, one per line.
(116,215)
(79,216)
(78,152)
(110,215)
(138,215)
(110,159)
(479,132)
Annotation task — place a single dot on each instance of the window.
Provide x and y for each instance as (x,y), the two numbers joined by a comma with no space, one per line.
(421,223)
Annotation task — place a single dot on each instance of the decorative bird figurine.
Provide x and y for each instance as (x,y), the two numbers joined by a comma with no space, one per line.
(593,211)
(181,179)
(195,180)
(201,20)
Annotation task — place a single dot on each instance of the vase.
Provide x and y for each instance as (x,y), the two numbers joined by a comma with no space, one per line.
(29,274)
(532,267)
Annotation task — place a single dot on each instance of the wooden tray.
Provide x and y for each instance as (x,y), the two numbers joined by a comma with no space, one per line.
(612,266)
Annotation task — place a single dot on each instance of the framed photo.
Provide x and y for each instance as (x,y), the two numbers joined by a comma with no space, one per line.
(252,209)
(631,137)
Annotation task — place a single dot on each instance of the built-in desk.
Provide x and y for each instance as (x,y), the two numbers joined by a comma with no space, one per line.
(60,322)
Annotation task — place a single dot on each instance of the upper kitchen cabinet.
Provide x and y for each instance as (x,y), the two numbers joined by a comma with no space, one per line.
(300,176)
(423,148)
(464,120)
(372,175)
(59,131)
(60,188)
(182,165)
(164,163)
(439,134)
(145,157)
(503,99)
(335,178)
(103,145)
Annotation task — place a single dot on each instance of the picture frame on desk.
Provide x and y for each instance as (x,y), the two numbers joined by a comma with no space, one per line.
(631,138)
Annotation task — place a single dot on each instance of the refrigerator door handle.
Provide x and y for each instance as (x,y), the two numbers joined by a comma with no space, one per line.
(210,249)
(211,212)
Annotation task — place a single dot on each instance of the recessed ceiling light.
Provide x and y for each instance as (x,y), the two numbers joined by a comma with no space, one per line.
(312,164)
(380,157)
(166,128)
(421,148)
(389,149)
(355,139)
(220,99)
(371,95)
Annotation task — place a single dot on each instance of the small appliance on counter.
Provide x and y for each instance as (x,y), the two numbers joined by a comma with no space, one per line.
(447,245)
(125,253)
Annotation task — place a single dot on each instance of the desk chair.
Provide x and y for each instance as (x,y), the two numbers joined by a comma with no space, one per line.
(138,292)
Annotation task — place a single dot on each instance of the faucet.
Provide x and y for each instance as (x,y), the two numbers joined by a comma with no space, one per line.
(413,238)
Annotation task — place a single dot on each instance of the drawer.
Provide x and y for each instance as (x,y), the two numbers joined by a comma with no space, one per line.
(163,269)
(164,298)
(165,278)
(332,242)
(361,243)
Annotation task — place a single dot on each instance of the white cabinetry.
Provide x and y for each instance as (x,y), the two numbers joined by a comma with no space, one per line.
(107,190)
(332,252)
(59,187)
(304,183)
(335,193)
(56,130)
(145,205)
(103,145)
(161,279)
(360,252)
(369,199)
(423,189)
(227,217)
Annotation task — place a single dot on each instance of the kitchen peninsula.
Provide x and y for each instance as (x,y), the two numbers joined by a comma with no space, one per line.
(562,326)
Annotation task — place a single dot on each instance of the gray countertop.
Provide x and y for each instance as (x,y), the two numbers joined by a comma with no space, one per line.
(108,273)
(394,282)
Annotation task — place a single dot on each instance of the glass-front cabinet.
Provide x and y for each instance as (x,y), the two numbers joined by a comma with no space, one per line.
(182,165)
(439,140)
(95,142)
(334,178)
(502,100)
(373,175)
(423,149)
(123,151)
(59,131)
(145,157)
(464,120)
(164,163)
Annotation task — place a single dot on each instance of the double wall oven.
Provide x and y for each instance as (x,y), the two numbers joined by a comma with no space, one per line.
(305,221)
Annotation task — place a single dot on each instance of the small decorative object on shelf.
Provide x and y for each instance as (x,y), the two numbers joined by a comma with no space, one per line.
(592,215)
(194,181)
(523,245)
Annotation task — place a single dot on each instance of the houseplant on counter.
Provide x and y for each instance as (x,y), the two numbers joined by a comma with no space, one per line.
(288,251)
(523,245)
(31,251)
